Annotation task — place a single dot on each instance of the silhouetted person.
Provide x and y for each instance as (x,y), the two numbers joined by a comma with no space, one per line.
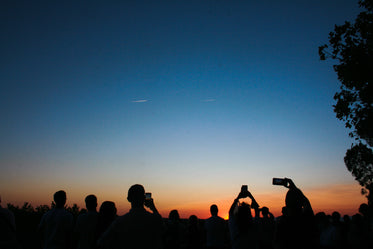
(175,231)
(284,211)
(243,228)
(138,228)
(326,230)
(346,223)
(106,216)
(266,229)
(86,225)
(360,232)
(56,225)
(8,238)
(216,230)
(194,236)
(337,230)
(367,212)
(298,229)
(358,237)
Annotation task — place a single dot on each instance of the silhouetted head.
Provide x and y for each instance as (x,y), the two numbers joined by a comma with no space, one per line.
(60,198)
(284,211)
(265,211)
(322,219)
(244,217)
(214,210)
(346,219)
(108,210)
(174,215)
(91,202)
(364,209)
(294,201)
(193,220)
(357,222)
(336,217)
(136,195)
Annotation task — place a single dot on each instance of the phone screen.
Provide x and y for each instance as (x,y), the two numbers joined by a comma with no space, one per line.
(278,181)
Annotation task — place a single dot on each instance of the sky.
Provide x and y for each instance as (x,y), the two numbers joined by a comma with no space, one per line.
(192,99)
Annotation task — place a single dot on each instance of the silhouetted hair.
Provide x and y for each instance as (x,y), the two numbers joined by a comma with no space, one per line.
(336,217)
(91,202)
(193,220)
(364,209)
(346,218)
(174,215)
(265,211)
(244,217)
(284,211)
(107,214)
(294,200)
(108,209)
(136,193)
(214,209)
(60,198)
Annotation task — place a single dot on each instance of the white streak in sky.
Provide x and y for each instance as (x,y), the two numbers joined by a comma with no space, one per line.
(140,101)
(208,100)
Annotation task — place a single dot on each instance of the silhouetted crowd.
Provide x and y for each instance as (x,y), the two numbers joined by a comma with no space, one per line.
(249,226)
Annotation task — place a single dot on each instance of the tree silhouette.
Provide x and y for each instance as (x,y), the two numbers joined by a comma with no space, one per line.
(351,45)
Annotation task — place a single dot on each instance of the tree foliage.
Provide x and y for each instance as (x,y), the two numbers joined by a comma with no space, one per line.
(351,45)
(359,160)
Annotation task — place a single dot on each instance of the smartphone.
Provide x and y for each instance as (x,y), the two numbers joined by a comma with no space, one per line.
(244,189)
(279,181)
(148,196)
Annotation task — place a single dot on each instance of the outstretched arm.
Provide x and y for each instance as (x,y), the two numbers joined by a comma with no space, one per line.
(234,204)
(254,204)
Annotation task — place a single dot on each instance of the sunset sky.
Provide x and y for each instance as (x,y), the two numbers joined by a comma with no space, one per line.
(192,99)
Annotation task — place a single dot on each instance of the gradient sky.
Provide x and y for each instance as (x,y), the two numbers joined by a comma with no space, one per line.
(192,99)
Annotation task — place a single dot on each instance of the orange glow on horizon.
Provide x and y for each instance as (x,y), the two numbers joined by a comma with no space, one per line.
(344,198)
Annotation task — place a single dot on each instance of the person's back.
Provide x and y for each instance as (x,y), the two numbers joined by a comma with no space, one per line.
(266,229)
(86,225)
(242,227)
(194,234)
(298,229)
(296,232)
(216,230)
(138,228)
(56,225)
(106,216)
(7,229)
(175,233)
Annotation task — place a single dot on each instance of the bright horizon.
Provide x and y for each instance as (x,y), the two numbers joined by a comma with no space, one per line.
(191,99)
(326,199)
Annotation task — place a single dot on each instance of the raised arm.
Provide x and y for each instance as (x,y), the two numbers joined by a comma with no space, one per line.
(254,204)
(305,202)
(234,204)
(149,203)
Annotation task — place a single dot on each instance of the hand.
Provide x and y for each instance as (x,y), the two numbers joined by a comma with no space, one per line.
(241,195)
(149,203)
(290,184)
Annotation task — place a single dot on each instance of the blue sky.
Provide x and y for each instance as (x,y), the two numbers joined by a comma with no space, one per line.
(182,95)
